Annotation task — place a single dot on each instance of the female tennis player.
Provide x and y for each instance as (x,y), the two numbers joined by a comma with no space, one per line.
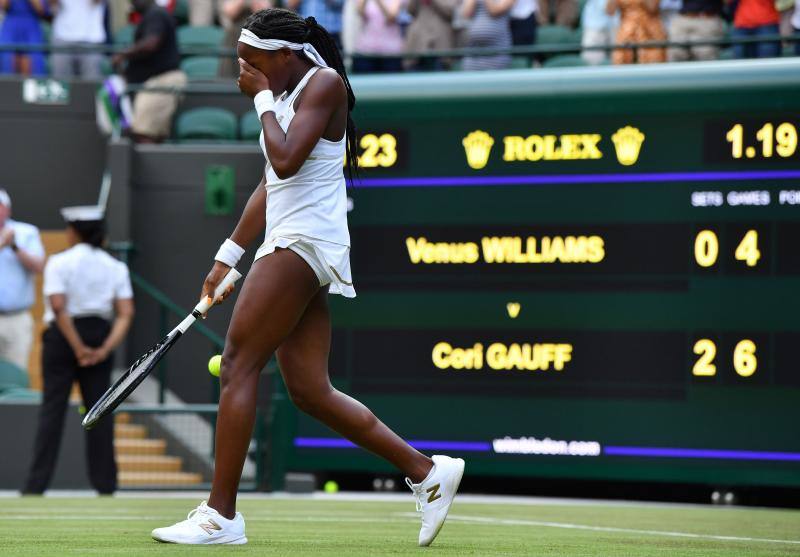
(293,70)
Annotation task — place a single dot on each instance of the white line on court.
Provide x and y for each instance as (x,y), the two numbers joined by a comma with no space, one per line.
(414,518)
(389,497)
(521,522)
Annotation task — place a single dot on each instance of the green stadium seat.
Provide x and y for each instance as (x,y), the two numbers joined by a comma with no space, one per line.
(520,62)
(249,126)
(11,376)
(201,67)
(181,13)
(564,61)
(19,394)
(125,35)
(199,37)
(203,124)
(554,35)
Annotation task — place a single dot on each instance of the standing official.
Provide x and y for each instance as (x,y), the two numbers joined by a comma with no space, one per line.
(89,307)
(21,257)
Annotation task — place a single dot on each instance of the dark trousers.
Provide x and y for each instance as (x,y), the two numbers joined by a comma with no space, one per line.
(523,31)
(59,370)
(769,49)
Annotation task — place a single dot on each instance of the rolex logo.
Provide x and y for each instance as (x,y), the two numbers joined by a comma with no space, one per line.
(628,142)
(478,146)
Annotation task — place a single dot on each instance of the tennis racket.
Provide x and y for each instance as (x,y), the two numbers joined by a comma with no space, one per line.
(142,367)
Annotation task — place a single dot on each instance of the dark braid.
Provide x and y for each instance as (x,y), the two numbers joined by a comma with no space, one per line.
(277,23)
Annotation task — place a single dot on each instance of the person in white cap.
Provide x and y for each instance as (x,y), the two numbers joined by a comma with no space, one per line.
(88,310)
(293,70)
(21,258)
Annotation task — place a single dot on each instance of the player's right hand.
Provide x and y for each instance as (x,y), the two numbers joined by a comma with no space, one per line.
(214,277)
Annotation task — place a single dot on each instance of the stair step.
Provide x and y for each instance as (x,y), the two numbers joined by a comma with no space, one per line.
(130,431)
(148,463)
(140,446)
(130,479)
(122,418)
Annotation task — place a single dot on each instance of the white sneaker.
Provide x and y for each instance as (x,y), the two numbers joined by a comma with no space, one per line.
(204,525)
(435,495)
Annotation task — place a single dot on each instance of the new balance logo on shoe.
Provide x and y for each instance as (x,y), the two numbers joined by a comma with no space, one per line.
(433,492)
(210,527)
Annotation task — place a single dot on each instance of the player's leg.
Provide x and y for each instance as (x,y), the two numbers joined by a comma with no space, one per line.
(303,359)
(272,300)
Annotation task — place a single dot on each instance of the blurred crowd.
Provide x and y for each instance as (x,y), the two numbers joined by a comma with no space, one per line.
(383,35)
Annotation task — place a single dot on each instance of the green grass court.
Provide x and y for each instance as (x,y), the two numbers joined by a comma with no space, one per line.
(121,526)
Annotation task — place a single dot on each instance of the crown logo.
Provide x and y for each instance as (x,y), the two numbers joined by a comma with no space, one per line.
(478,146)
(628,142)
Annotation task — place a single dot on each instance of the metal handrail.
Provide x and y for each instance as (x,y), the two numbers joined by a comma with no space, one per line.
(164,301)
(444,53)
(167,306)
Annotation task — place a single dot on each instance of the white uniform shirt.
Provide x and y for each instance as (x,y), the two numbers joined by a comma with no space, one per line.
(90,279)
(80,21)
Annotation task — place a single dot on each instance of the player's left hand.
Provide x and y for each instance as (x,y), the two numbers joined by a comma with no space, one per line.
(251,81)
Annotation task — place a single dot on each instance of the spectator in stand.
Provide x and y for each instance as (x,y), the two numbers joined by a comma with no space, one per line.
(639,22)
(668,9)
(328,13)
(431,29)
(796,27)
(489,27)
(232,14)
(351,25)
(21,26)
(21,257)
(523,22)
(698,20)
(380,34)
(78,23)
(598,29)
(558,12)
(201,12)
(154,62)
(756,18)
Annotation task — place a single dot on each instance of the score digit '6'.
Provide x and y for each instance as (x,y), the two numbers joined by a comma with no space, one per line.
(745,362)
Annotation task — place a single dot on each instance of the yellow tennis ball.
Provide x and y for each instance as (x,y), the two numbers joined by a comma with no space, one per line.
(331,487)
(213,365)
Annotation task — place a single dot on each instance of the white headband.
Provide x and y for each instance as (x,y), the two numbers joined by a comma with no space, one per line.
(250,38)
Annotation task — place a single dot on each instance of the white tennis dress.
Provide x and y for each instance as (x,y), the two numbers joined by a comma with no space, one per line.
(307,212)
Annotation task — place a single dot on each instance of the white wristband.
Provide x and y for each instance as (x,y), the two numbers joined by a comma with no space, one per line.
(229,253)
(264,102)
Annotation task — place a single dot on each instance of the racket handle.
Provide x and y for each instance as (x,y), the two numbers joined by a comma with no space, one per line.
(230,279)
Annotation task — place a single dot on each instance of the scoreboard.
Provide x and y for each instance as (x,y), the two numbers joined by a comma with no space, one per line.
(577,274)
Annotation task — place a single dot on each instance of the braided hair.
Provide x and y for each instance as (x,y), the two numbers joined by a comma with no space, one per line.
(277,23)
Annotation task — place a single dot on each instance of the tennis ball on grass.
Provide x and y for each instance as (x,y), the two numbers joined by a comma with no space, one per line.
(213,365)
